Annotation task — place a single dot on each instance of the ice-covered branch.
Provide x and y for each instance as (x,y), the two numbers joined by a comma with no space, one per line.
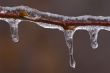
(67,24)
(34,15)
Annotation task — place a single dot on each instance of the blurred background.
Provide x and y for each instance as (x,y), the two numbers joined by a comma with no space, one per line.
(44,50)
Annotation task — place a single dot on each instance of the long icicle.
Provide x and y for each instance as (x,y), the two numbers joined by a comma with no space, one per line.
(69,41)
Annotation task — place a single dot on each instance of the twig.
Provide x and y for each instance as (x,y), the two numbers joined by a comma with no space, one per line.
(27,13)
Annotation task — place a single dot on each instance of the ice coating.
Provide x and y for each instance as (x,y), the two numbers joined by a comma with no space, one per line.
(34,14)
(51,26)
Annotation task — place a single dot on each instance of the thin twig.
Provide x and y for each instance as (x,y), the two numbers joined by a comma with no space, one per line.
(65,21)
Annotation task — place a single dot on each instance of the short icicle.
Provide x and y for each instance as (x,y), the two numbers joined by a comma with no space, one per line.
(14,28)
(93,32)
(69,41)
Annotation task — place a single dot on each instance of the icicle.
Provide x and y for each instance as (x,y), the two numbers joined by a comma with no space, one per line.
(14,28)
(69,41)
(93,32)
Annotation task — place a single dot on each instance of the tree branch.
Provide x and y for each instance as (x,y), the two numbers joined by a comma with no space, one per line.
(29,14)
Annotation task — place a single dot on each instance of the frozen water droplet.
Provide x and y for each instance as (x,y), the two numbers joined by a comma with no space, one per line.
(69,41)
(14,28)
(93,32)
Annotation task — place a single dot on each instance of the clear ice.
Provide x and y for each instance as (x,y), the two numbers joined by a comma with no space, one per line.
(69,41)
(14,29)
(93,32)
(36,14)
(51,26)
(13,23)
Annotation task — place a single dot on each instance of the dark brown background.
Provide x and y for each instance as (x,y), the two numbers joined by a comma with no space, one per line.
(44,50)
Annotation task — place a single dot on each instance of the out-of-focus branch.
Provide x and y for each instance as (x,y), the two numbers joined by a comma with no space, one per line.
(64,21)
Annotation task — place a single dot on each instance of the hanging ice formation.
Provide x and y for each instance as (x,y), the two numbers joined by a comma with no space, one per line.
(14,28)
(34,14)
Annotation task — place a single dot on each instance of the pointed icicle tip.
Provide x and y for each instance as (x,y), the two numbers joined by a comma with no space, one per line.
(15,40)
(73,65)
(72,61)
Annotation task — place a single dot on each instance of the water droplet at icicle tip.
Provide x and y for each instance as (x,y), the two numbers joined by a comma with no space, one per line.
(13,23)
(69,41)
